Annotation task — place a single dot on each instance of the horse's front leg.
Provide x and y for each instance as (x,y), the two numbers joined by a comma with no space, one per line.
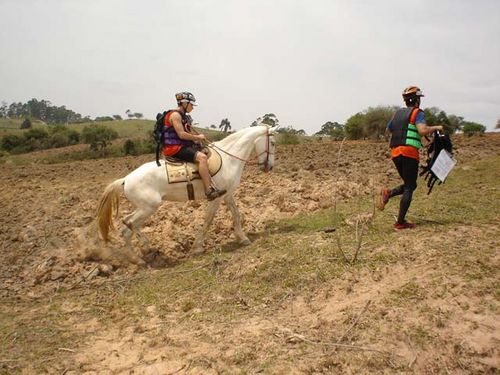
(238,231)
(213,206)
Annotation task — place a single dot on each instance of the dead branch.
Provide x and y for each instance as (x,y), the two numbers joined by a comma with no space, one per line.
(297,337)
(355,322)
(358,247)
(340,249)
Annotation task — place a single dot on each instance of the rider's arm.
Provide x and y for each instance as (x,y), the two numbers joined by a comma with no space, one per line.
(179,129)
(423,128)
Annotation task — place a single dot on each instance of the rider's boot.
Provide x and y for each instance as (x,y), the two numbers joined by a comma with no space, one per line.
(213,193)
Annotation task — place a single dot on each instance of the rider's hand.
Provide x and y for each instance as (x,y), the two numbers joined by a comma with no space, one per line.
(439,128)
(200,137)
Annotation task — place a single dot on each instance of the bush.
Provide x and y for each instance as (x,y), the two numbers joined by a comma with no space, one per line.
(73,136)
(287,138)
(11,142)
(58,140)
(471,128)
(26,124)
(129,147)
(36,134)
(62,136)
(34,139)
(98,136)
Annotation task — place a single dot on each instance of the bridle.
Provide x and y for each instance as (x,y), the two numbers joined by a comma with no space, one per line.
(249,161)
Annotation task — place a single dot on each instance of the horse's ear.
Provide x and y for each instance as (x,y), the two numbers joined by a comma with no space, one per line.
(273,129)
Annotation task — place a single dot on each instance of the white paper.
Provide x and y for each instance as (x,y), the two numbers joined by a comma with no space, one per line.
(443,165)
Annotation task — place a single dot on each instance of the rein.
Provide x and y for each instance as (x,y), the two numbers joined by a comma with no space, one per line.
(249,161)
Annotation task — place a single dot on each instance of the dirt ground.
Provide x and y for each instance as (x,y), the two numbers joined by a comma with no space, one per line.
(46,208)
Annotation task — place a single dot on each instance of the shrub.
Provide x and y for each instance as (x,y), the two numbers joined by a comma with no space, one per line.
(11,141)
(129,147)
(26,124)
(59,139)
(73,136)
(98,136)
(62,136)
(287,138)
(34,139)
(471,128)
(36,134)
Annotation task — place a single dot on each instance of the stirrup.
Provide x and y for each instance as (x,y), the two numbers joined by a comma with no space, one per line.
(214,193)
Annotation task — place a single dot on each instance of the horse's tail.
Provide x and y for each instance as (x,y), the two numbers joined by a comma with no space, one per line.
(110,199)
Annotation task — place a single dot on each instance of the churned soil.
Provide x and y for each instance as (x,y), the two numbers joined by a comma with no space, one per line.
(48,242)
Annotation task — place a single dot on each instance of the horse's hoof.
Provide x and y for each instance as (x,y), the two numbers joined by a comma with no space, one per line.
(245,242)
(139,262)
(197,250)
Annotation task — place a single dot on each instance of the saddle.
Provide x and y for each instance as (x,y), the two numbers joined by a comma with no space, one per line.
(181,171)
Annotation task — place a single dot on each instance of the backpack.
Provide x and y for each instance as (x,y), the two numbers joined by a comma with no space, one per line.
(159,134)
(440,142)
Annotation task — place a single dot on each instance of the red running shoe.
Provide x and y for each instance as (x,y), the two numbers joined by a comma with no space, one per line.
(383,199)
(405,225)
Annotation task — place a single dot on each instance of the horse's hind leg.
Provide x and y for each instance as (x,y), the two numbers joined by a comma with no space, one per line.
(133,223)
(238,231)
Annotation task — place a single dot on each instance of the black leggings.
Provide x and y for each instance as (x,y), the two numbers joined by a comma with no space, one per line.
(408,170)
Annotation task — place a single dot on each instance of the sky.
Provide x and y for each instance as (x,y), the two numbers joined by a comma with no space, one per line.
(308,62)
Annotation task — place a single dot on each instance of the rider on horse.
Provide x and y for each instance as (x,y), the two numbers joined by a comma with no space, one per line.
(181,143)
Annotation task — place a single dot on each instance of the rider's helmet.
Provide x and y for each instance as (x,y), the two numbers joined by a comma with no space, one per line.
(185,97)
(412,94)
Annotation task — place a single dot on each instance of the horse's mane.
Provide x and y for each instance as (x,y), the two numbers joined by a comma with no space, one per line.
(230,139)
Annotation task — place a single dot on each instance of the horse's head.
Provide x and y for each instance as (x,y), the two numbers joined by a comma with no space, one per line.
(264,148)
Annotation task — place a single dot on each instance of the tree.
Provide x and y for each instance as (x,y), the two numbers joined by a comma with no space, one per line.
(498,124)
(3,109)
(354,126)
(470,128)
(117,117)
(129,113)
(213,126)
(333,130)
(375,121)
(225,125)
(371,123)
(138,115)
(267,119)
(456,122)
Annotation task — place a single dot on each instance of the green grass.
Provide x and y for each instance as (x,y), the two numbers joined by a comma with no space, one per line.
(13,126)
(124,128)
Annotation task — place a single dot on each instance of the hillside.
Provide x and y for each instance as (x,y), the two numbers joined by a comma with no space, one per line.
(417,301)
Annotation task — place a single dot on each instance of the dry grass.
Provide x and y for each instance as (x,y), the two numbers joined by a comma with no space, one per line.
(424,300)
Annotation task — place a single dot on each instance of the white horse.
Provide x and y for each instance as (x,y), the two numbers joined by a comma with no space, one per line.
(147,187)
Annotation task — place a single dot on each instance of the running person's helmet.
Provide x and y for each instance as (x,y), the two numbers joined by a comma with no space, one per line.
(412,94)
(185,97)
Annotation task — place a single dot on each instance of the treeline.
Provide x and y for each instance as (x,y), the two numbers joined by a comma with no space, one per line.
(372,122)
(35,139)
(43,110)
(98,137)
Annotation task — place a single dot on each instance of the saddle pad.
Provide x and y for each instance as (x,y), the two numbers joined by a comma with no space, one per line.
(177,170)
